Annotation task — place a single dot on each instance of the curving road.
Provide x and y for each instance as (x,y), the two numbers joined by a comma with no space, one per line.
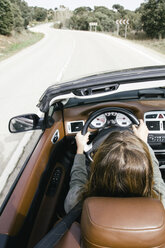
(59,56)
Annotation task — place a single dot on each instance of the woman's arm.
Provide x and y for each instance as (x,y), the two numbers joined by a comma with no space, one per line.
(78,173)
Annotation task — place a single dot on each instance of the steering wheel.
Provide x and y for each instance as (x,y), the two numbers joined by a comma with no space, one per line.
(101,136)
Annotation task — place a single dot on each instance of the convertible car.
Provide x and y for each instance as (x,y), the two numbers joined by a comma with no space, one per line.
(33,214)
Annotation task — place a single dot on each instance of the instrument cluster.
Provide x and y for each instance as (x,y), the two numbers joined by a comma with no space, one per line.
(111,119)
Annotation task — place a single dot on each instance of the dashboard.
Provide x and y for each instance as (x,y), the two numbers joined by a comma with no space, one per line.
(104,120)
(152,113)
(110,119)
(155,121)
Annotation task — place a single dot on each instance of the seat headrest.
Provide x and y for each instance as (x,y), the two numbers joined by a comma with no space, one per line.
(123,222)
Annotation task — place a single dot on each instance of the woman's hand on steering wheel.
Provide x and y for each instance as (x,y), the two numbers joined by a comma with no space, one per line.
(81,141)
(141,131)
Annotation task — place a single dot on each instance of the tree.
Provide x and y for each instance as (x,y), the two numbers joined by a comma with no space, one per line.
(40,14)
(82,10)
(80,18)
(153,18)
(84,15)
(79,22)
(103,10)
(25,13)
(120,9)
(6,17)
(22,14)
(135,21)
(106,18)
(18,21)
(50,15)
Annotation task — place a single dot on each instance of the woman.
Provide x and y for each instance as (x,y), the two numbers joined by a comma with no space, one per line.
(123,166)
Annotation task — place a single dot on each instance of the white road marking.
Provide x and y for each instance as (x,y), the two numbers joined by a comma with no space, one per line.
(61,73)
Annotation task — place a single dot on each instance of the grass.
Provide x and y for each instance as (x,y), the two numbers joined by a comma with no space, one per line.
(158,45)
(155,44)
(142,39)
(10,45)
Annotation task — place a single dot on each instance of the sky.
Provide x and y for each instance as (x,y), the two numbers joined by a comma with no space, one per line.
(73,4)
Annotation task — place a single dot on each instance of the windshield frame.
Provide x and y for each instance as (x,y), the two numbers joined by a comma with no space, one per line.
(130,79)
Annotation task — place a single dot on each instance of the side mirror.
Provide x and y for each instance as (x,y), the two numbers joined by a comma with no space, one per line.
(24,123)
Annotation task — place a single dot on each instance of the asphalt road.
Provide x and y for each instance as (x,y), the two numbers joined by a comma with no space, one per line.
(60,56)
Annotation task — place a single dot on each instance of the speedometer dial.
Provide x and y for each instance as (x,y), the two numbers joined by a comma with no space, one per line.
(122,120)
(99,121)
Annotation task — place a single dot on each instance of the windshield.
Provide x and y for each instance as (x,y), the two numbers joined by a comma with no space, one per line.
(44,43)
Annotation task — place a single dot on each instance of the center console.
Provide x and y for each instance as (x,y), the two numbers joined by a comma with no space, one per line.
(155,121)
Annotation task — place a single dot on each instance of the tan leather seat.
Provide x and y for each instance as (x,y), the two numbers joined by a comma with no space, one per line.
(123,223)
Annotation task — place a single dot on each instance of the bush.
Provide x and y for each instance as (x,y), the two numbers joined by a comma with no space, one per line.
(18,23)
(40,14)
(6,17)
(153,18)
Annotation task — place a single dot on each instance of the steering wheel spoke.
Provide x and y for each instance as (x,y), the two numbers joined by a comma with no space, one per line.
(88,147)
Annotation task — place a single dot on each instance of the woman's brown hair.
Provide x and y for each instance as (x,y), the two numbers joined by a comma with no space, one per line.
(122,167)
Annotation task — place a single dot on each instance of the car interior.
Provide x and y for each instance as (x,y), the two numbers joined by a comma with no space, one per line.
(35,203)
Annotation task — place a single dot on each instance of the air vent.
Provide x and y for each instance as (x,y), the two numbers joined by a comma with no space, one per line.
(75,126)
(96,90)
(151,93)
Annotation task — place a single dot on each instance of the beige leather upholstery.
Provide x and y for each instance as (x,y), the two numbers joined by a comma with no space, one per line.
(123,223)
